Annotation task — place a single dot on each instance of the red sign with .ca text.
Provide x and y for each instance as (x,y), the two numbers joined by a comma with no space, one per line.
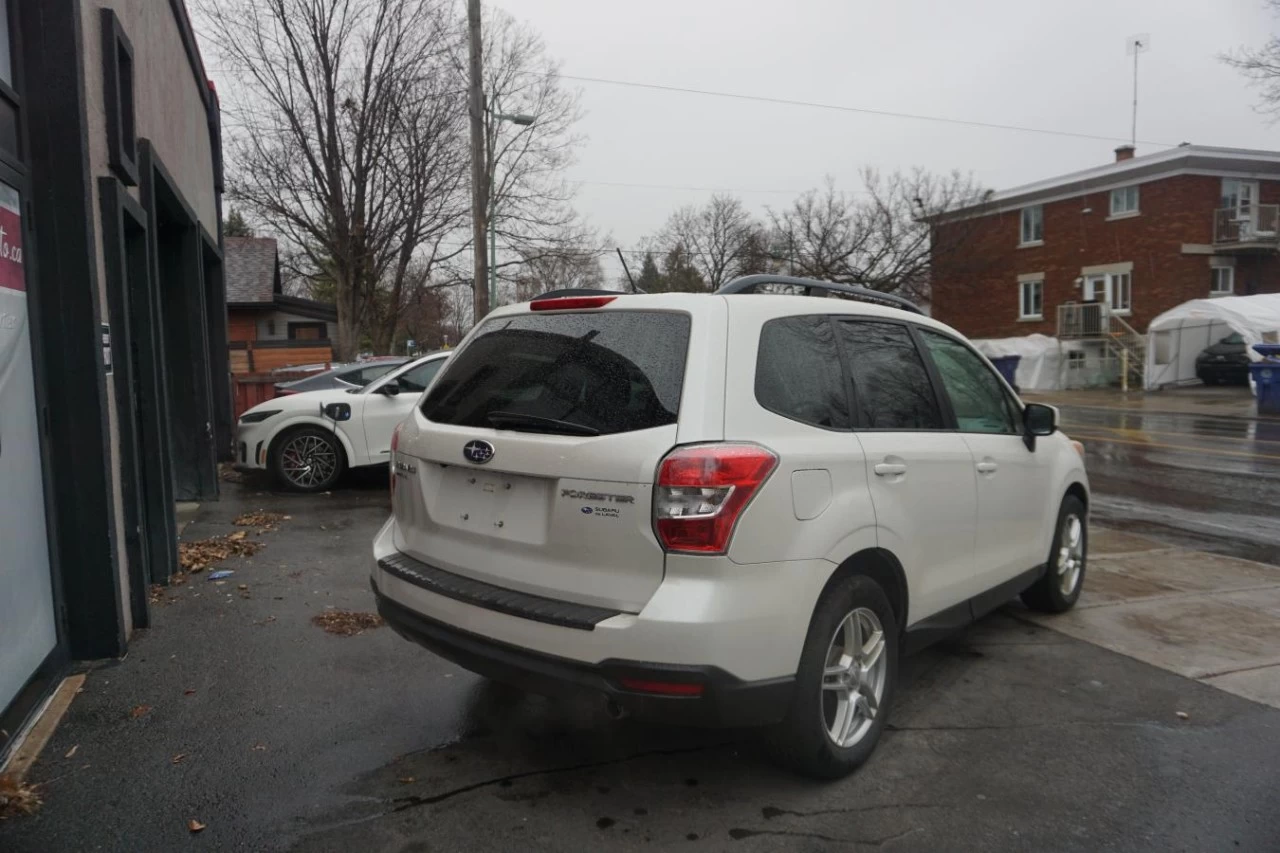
(12,275)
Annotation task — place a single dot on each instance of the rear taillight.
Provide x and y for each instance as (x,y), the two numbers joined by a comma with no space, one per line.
(701,492)
(395,445)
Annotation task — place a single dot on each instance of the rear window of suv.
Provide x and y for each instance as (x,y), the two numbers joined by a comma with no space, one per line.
(572,374)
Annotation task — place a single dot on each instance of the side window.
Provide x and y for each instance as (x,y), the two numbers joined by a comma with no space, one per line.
(892,385)
(978,398)
(417,379)
(798,372)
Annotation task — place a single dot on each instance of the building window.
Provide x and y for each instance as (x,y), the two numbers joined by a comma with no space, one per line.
(1030,300)
(308,331)
(1032,224)
(1223,282)
(1124,201)
(117,82)
(1121,293)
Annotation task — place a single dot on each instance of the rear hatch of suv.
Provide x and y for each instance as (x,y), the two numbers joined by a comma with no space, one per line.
(536,449)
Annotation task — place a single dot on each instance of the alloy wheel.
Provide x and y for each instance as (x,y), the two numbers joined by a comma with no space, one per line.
(1070,554)
(853,679)
(308,461)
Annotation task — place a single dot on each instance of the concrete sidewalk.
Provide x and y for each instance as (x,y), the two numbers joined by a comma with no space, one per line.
(1208,617)
(1230,402)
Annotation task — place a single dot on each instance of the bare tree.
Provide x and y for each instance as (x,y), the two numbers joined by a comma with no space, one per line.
(719,239)
(330,98)
(575,265)
(1261,66)
(880,237)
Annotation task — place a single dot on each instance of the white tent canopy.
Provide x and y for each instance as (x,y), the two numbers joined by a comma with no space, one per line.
(1041,367)
(1178,335)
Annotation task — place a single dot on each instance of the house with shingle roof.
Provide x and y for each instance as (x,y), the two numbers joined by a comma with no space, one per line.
(266,328)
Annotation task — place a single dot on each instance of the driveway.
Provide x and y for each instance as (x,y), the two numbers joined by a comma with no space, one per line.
(236,711)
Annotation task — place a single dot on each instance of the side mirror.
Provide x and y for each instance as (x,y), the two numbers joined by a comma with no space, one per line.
(391,389)
(336,411)
(1038,419)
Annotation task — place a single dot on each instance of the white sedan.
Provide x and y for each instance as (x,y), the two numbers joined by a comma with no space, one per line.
(307,440)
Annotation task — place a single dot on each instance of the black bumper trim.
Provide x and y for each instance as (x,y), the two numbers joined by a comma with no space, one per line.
(566,614)
(725,701)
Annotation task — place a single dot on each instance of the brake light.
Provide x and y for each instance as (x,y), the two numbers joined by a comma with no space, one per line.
(395,445)
(703,489)
(570,303)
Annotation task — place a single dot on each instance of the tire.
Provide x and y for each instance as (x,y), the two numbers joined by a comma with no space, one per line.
(1059,589)
(804,740)
(307,459)
(1210,380)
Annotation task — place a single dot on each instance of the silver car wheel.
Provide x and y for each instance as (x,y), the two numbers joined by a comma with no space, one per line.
(308,460)
(853,679)
(1070,554)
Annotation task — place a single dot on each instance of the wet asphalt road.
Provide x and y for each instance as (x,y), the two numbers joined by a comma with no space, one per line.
(1007,737)
(1206,482)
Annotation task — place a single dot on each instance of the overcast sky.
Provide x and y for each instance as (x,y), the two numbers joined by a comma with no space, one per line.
(1052,65)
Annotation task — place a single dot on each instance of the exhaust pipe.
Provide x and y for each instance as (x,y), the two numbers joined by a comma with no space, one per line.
(614,710)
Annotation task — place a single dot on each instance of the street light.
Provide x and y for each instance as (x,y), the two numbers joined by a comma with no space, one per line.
(523,120)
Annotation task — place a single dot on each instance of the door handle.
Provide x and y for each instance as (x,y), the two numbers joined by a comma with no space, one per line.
(987,467)
(890,469)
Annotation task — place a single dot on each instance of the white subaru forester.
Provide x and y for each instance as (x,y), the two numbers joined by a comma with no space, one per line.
(736,508)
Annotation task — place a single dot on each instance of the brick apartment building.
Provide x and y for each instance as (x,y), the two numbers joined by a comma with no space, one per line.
(1140,235)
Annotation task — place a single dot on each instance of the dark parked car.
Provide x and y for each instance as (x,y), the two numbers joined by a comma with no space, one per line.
(1224,363)
(346,376)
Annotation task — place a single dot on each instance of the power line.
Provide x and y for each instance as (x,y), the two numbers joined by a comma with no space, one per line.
(863,110)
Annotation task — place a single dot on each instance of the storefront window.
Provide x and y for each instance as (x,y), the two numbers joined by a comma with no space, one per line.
(6,61)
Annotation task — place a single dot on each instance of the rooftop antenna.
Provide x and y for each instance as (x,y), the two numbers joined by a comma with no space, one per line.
(1133,46)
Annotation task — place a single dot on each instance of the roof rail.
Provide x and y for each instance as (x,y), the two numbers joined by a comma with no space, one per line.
(748,284)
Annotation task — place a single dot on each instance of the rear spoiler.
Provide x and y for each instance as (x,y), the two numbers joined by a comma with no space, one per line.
(750,283)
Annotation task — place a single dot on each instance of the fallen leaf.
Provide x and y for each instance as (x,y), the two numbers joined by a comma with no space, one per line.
(198,555)
(179,758)
(194,825)
(265,521)
(259,747)
(1182,715)
(71,751)
(17,798)
(346,623)
(189,692)
(139,711)
(408,780)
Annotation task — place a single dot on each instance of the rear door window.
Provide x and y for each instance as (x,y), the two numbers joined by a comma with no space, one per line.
(890,381)
(572,374)
(798,372)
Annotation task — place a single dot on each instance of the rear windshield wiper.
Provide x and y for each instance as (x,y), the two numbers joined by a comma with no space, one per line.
(540,424)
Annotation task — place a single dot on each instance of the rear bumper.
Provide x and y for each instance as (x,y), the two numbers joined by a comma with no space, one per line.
(724,701)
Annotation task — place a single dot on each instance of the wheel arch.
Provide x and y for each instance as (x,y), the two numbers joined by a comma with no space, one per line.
(883,567)
(1078,490)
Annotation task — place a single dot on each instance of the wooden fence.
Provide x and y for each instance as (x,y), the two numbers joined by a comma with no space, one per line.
(250,389)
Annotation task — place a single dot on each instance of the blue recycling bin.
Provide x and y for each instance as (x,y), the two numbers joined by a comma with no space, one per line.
(1266,378)
(1008,367)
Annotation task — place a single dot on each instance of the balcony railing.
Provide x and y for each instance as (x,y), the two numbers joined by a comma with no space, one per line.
(1259,225)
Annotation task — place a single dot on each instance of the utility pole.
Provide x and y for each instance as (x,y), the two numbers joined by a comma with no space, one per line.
(479,169)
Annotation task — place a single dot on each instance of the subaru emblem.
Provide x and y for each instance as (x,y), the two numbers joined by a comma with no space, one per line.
(478,451)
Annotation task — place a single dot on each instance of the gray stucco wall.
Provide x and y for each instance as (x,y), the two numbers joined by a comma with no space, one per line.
(170,112)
